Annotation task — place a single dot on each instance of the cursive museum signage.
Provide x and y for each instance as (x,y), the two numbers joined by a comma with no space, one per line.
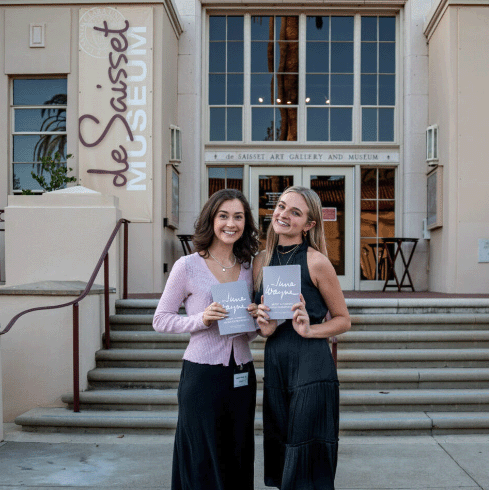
(298,157)
(115,100)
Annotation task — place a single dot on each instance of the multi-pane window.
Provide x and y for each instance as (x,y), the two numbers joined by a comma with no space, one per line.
(225,178)
(378,78)
(329,78)
(39,127)
(226,78)
(377,220)
(274,79)
(310,79)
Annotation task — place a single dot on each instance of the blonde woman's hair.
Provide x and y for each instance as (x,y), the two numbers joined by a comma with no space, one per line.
(315,235)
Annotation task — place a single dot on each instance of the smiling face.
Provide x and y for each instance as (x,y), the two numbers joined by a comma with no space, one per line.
(290,218)
(229,222)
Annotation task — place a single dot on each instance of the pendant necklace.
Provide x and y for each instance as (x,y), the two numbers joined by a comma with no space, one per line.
(223,266)
(292,252)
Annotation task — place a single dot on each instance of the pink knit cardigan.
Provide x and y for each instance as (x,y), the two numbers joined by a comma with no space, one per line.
(190,282)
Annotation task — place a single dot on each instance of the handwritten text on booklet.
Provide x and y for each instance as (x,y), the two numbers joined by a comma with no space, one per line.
(281,289)
(235,298)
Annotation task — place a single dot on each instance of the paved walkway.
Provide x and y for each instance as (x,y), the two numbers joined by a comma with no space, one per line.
(92,461)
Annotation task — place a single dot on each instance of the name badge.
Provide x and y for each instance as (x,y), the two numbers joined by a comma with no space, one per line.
(240,379)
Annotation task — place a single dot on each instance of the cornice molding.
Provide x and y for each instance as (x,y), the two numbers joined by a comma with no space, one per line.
(168,5)
(438,10)
(305,4)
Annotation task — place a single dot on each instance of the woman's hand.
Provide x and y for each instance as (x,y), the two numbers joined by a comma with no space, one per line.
(267,326)
(212,313)
(300,320)
(253,310)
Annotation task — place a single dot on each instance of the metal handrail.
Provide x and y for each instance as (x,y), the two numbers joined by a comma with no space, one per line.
(104,258)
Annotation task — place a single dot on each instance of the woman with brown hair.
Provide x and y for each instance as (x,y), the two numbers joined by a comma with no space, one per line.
(214,440)
(301,393)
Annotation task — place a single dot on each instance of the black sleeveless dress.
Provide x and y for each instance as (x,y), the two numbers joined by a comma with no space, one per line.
(301,397)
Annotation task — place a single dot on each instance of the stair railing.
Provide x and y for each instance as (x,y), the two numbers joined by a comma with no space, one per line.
(104,258)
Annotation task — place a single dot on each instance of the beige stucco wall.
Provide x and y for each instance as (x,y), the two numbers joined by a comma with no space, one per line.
(54,57)
(37,353)
(459,57)
(189,110)
(60,237)
(442,105)
(150,244)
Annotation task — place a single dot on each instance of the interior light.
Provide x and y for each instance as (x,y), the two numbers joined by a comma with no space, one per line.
(326,100)
(260,99)
(289,102)
(308,99)
(279,100)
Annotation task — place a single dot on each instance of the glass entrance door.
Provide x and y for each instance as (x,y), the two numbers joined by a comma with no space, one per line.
(266,185)
(335,189)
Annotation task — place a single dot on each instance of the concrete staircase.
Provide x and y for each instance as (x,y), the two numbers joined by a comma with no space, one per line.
(408,366)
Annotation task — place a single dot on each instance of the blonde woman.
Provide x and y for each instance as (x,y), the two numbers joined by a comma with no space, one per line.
(301,394)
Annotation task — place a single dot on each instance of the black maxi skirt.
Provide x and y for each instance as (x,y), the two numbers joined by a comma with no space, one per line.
(300,412)
(214,440)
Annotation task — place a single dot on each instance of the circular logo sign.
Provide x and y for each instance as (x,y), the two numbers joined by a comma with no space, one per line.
(94,42)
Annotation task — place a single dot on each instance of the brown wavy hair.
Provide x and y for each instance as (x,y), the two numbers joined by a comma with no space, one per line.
(246,247)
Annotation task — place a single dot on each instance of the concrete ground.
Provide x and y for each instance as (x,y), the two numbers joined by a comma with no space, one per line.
(127,461)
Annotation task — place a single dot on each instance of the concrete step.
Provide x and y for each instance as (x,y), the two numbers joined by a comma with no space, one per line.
(400,339)
(350,400)
(136,306)
(417,305)
(131,339)
(420,358)
(358,305)
(409,339)
(347,358)
(133,322)
(382,379)
(351,423)
(400,321)
(151,358)
(147,340)
(445,400)
(411,321)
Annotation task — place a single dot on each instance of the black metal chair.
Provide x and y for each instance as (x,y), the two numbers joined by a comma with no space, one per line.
(186,240)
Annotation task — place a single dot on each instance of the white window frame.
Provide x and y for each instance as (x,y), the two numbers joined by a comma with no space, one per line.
(432,144)
(13,133)
(175,145)
(301,114)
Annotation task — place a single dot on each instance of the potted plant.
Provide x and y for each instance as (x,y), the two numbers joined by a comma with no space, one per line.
(57,172)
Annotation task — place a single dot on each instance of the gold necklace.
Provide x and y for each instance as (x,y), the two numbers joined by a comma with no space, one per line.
(294,250)
(223,266)
(288,252)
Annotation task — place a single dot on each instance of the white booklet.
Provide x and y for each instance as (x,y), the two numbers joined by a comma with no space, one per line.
(281,289)
(235,298)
